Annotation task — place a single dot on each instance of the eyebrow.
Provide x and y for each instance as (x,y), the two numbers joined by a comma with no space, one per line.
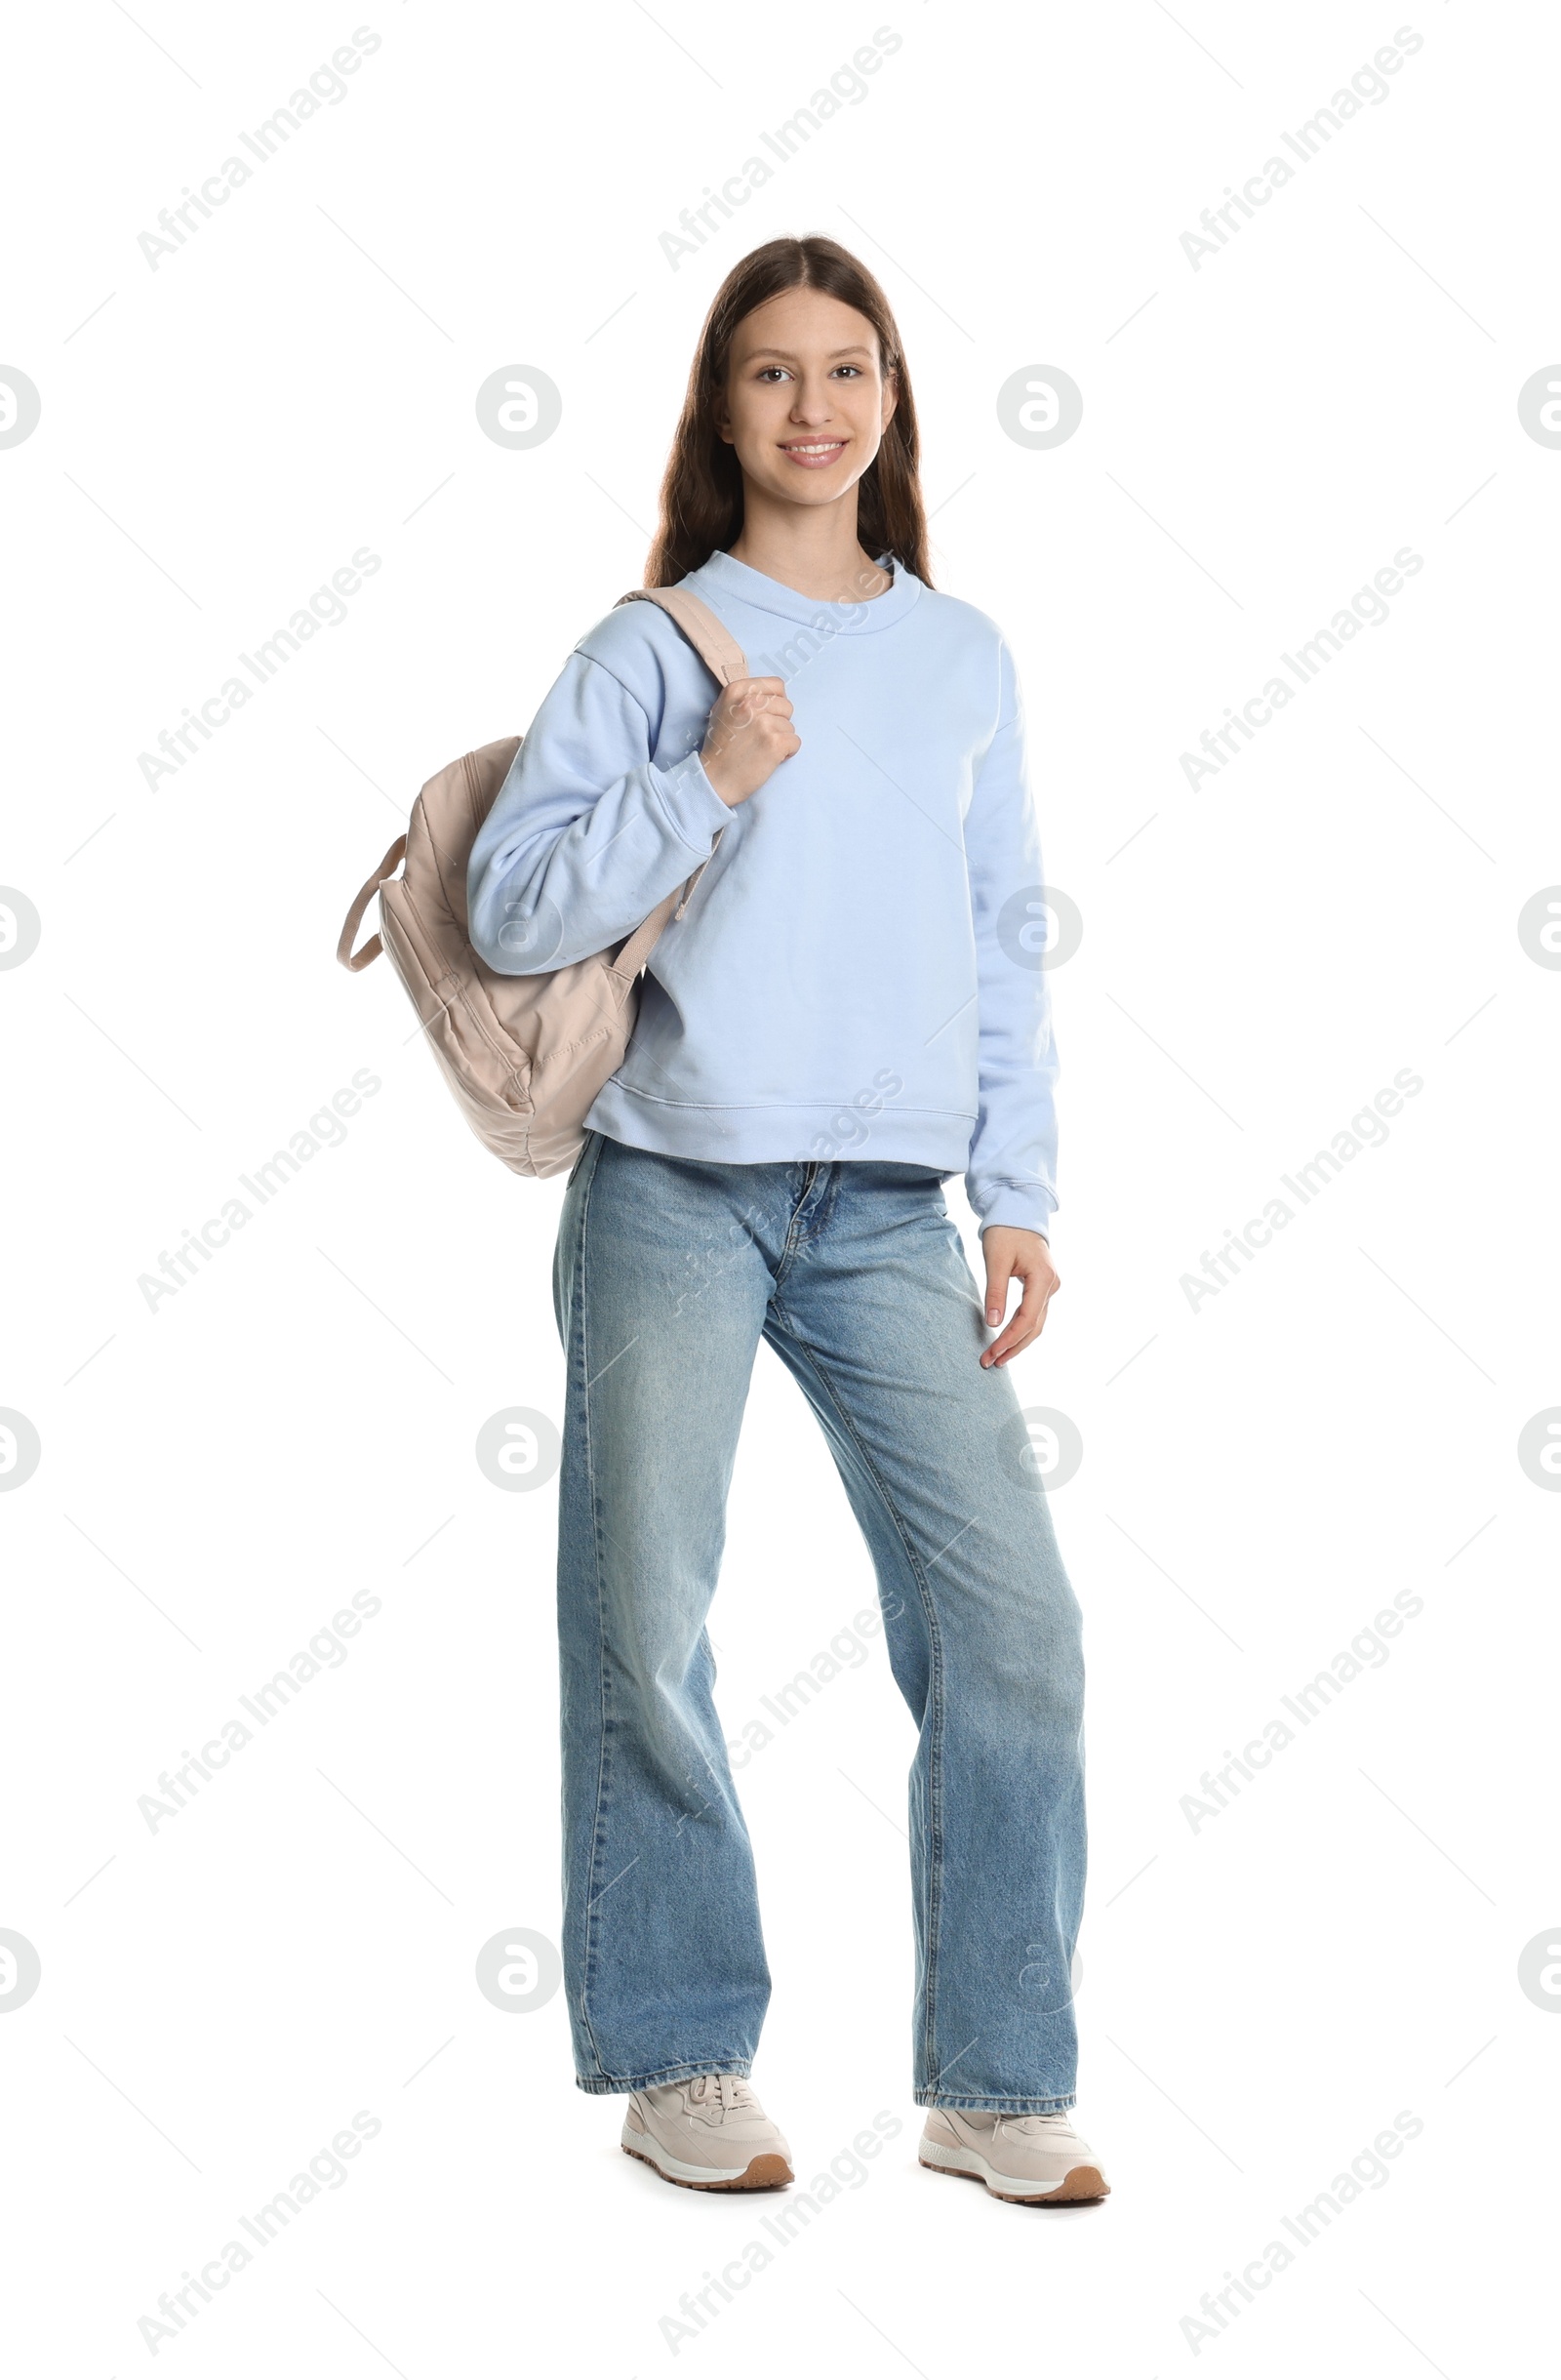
(785,356)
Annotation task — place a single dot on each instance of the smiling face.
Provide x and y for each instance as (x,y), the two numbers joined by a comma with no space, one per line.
(806,399)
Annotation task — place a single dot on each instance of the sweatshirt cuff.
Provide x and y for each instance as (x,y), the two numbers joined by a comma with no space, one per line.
(691,803)
(1020,1211)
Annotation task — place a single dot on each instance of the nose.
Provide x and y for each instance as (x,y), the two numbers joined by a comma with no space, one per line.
(812,405)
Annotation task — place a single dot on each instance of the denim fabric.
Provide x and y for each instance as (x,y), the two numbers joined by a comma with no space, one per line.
(667,1273)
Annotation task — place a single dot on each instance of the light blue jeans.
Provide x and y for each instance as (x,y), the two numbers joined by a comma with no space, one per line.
(667,1274)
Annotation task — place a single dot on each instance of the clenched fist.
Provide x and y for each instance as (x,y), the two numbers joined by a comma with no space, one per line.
(749,736)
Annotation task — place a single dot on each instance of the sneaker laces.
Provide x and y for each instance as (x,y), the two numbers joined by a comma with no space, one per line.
(731,2091)
(1031,2126)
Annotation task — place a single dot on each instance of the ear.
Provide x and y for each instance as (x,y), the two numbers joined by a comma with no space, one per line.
(721,418)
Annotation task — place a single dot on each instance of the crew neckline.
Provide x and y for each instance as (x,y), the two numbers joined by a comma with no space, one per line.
(724,571)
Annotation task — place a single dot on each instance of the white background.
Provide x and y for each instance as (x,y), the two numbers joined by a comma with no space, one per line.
(1261,1473)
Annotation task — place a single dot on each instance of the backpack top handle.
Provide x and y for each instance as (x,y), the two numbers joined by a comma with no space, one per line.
(355,961)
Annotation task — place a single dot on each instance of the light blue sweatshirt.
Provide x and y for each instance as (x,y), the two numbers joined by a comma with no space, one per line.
(858,973)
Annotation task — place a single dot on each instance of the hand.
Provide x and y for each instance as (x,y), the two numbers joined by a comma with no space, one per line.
(749,736)
(1023,1257)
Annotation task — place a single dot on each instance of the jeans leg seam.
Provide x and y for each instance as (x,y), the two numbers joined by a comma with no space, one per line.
(934,1762)
(588,1923)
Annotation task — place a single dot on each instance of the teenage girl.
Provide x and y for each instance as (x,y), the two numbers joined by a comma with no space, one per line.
(850,1009)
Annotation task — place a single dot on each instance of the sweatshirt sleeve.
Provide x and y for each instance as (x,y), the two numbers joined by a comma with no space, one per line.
(587,834)
(1011,1175)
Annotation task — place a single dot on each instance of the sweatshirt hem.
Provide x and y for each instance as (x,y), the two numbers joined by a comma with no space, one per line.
(791,1133)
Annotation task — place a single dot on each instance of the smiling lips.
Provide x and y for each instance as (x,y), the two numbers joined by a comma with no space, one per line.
(814,454)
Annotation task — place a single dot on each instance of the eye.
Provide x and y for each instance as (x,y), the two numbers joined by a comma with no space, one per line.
(765,371)
(853,369)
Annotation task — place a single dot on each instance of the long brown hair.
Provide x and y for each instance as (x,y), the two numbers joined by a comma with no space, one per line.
(701,492)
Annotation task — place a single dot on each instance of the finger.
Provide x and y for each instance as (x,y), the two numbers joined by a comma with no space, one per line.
(997,1281)
(1026,1323)
(759,699)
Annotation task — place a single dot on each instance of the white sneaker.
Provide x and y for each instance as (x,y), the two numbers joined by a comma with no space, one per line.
(1037,2161)
(710,2133)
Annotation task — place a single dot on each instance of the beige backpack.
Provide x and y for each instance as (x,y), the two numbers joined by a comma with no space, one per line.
(525,1054)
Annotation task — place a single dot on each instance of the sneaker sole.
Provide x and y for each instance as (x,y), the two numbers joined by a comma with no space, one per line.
(767,2172)
(1079,2186)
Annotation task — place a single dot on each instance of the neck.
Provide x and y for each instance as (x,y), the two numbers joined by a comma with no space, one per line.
(812,548)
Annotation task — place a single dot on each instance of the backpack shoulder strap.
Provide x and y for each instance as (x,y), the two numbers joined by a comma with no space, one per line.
(725,660)
(714,643)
